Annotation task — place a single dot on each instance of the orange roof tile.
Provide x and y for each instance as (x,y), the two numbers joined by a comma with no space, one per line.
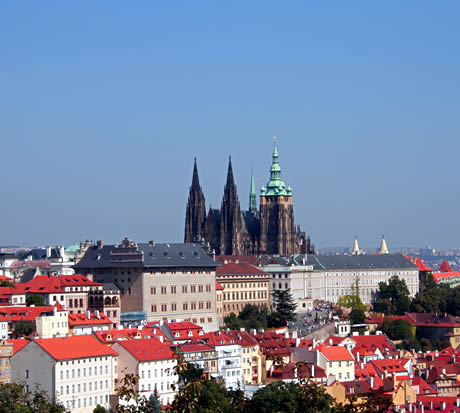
(74,347)
(147,349)
(336,353)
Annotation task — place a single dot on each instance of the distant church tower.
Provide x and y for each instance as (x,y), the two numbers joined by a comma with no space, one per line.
(195,213)
(277,229)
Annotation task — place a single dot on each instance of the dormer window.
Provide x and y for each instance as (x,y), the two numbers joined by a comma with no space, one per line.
(190,333)
(200,333)
(177,335)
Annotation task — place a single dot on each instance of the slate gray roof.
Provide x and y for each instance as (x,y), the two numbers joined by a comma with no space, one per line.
(358,262)
(158,255)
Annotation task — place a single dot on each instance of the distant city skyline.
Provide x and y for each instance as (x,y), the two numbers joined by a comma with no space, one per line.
(104,107)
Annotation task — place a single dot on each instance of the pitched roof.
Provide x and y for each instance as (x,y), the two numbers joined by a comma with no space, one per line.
(248,259)
(11,313)
(238,268)
(434,320)
(382,342)
(18,344)
(82,319)
(358,262)
(441,276)
(219,286)
(421,265)
(147,349)
(76,280)
(336,353)
(151,256)
(445,267)
(74,347)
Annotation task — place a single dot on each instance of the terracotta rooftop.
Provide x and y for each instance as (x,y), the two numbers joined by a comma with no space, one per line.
(147,349)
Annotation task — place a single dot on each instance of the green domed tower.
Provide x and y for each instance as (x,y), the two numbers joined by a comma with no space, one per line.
(277,228)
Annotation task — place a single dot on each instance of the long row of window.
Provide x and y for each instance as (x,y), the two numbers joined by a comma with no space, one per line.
(164,290)
(78,388)
(163,308)
(82,372)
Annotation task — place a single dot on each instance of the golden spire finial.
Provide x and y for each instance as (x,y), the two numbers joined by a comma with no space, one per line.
(274,139)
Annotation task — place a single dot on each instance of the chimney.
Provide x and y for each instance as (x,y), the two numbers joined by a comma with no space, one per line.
(442,406)
(421,407)
(155,331)
(100,244)
(161,338)
(357,357)
(330,342)
(457,403)
(88,314)
(297,342)
(286,335)
(98,315)
(430,405)
(242,329)
(48,252)
(294,334)
(253,331)
(312,370)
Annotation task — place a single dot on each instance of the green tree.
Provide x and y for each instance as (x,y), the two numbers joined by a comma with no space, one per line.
(352,301)
(24,328)
(155,402)
(393,298)
(6,283)
(14,399)
(357,316)
(397,329)
(35,299)
(291,398)
(100,409)
(252,316)
(284,306)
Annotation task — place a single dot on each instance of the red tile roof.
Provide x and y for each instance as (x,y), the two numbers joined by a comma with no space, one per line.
(336,353)
(421,265)
(111,336)
(74,347)
(147,349)
(445,267)
(11,313)
(18,344)
(48,284)
(39,263)
(76,320)
(440,276)
(382,342)
(76,280)
(219,286)
(194,348)
(240,268)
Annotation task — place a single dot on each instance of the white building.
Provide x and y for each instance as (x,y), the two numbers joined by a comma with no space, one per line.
(153,362)
(78,371)
(53,325)
(3,329)
(337,361)
(229,358)
(328,277)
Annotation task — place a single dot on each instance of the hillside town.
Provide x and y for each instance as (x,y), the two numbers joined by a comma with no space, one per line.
(76,321)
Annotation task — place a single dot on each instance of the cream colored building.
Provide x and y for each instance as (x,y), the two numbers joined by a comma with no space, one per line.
(170,282)
(153,362)
(243,284)
(54,325)
(6,351)
(336,361)
(329,277)
(78,371)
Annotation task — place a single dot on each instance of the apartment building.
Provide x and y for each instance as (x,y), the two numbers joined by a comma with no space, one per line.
(153,362)
(78,371)
(243,284)
(170,282)
(337,361)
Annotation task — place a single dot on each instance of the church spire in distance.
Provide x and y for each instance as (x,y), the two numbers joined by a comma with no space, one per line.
(252,196)
(230,180)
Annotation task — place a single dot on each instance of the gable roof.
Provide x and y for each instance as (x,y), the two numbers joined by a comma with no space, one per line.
(445,267)
(147,349)
(336,353)
(238,268)
(82,319)
(74,347)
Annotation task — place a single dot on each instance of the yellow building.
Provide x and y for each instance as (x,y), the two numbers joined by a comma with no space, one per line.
(6,351)
(243,284)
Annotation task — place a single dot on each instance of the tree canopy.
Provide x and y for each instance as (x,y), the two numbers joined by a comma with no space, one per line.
(357,316)
(393,298)
(35,299)
(397,329)
(284,308)
(250,317)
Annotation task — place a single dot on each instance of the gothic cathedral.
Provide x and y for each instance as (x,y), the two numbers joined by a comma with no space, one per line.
(231,231)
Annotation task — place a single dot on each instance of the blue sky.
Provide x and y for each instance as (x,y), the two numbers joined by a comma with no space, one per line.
(103,106)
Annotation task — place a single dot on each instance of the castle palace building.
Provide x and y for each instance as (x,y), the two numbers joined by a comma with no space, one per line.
(231,231)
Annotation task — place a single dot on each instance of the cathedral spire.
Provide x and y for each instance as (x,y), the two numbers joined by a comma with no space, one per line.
(383,246)
(230,180)
(252,196)
(195,179)
(356,250)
